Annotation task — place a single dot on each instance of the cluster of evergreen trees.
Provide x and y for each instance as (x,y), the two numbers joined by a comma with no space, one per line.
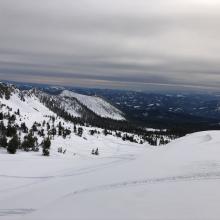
(10,135)
(5,91)
(14,136)
(90,118)
(110,126)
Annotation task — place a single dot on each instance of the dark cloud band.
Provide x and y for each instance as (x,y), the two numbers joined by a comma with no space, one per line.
(99,43)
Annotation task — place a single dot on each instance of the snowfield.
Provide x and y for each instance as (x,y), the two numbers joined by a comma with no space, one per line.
(96,104)
(31,109)
(126,181)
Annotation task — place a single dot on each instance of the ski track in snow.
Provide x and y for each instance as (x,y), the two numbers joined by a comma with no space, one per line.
(77,171)
(119,185)
(120,165)
(71,173)
(13,212)
(42,179)
(136,183)
(6,190)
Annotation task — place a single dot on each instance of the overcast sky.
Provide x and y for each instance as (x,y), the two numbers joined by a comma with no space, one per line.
(132,44)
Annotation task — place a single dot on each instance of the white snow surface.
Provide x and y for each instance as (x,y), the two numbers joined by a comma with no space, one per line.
(96,104)
(31,110)
(126,181)
(72,107)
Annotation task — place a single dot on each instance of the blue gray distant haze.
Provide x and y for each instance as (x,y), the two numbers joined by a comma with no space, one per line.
(134,44)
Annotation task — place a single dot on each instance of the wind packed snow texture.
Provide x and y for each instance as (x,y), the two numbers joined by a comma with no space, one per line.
(126,181)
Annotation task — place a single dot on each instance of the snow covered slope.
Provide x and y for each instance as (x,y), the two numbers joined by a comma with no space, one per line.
(96,104)
(70,106)
(126,181)
(31,109)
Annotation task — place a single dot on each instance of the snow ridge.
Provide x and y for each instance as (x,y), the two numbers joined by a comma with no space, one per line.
(31,109)
(96,104)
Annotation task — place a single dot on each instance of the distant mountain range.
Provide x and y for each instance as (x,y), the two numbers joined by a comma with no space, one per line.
(73,103)
(197,111)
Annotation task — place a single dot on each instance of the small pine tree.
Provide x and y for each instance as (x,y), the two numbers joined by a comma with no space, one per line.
(12,119)
(11,131)
(53,131)
(105,131)
(29,142)
(92,132)
(3,141)
(48,126)
(60,129)
(1,116)
(13,145)
(96,151)
(74,129)
(46,146)
(93,151)
(53,119)
(24,127)
(34,128)
(80,131)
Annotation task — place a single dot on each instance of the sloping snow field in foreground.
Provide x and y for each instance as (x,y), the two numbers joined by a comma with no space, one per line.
(126,181)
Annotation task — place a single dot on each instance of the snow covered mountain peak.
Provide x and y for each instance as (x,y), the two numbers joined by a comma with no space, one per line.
(97,105)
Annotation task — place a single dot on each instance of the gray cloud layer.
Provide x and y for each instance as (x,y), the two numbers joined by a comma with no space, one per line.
(123,43)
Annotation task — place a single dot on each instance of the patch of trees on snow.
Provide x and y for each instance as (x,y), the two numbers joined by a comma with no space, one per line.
(14,133)
(15,136)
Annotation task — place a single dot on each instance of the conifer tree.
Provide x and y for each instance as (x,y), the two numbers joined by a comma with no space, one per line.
(1,116)
(3,141)
(46,146)
(13,145)
(29,142)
